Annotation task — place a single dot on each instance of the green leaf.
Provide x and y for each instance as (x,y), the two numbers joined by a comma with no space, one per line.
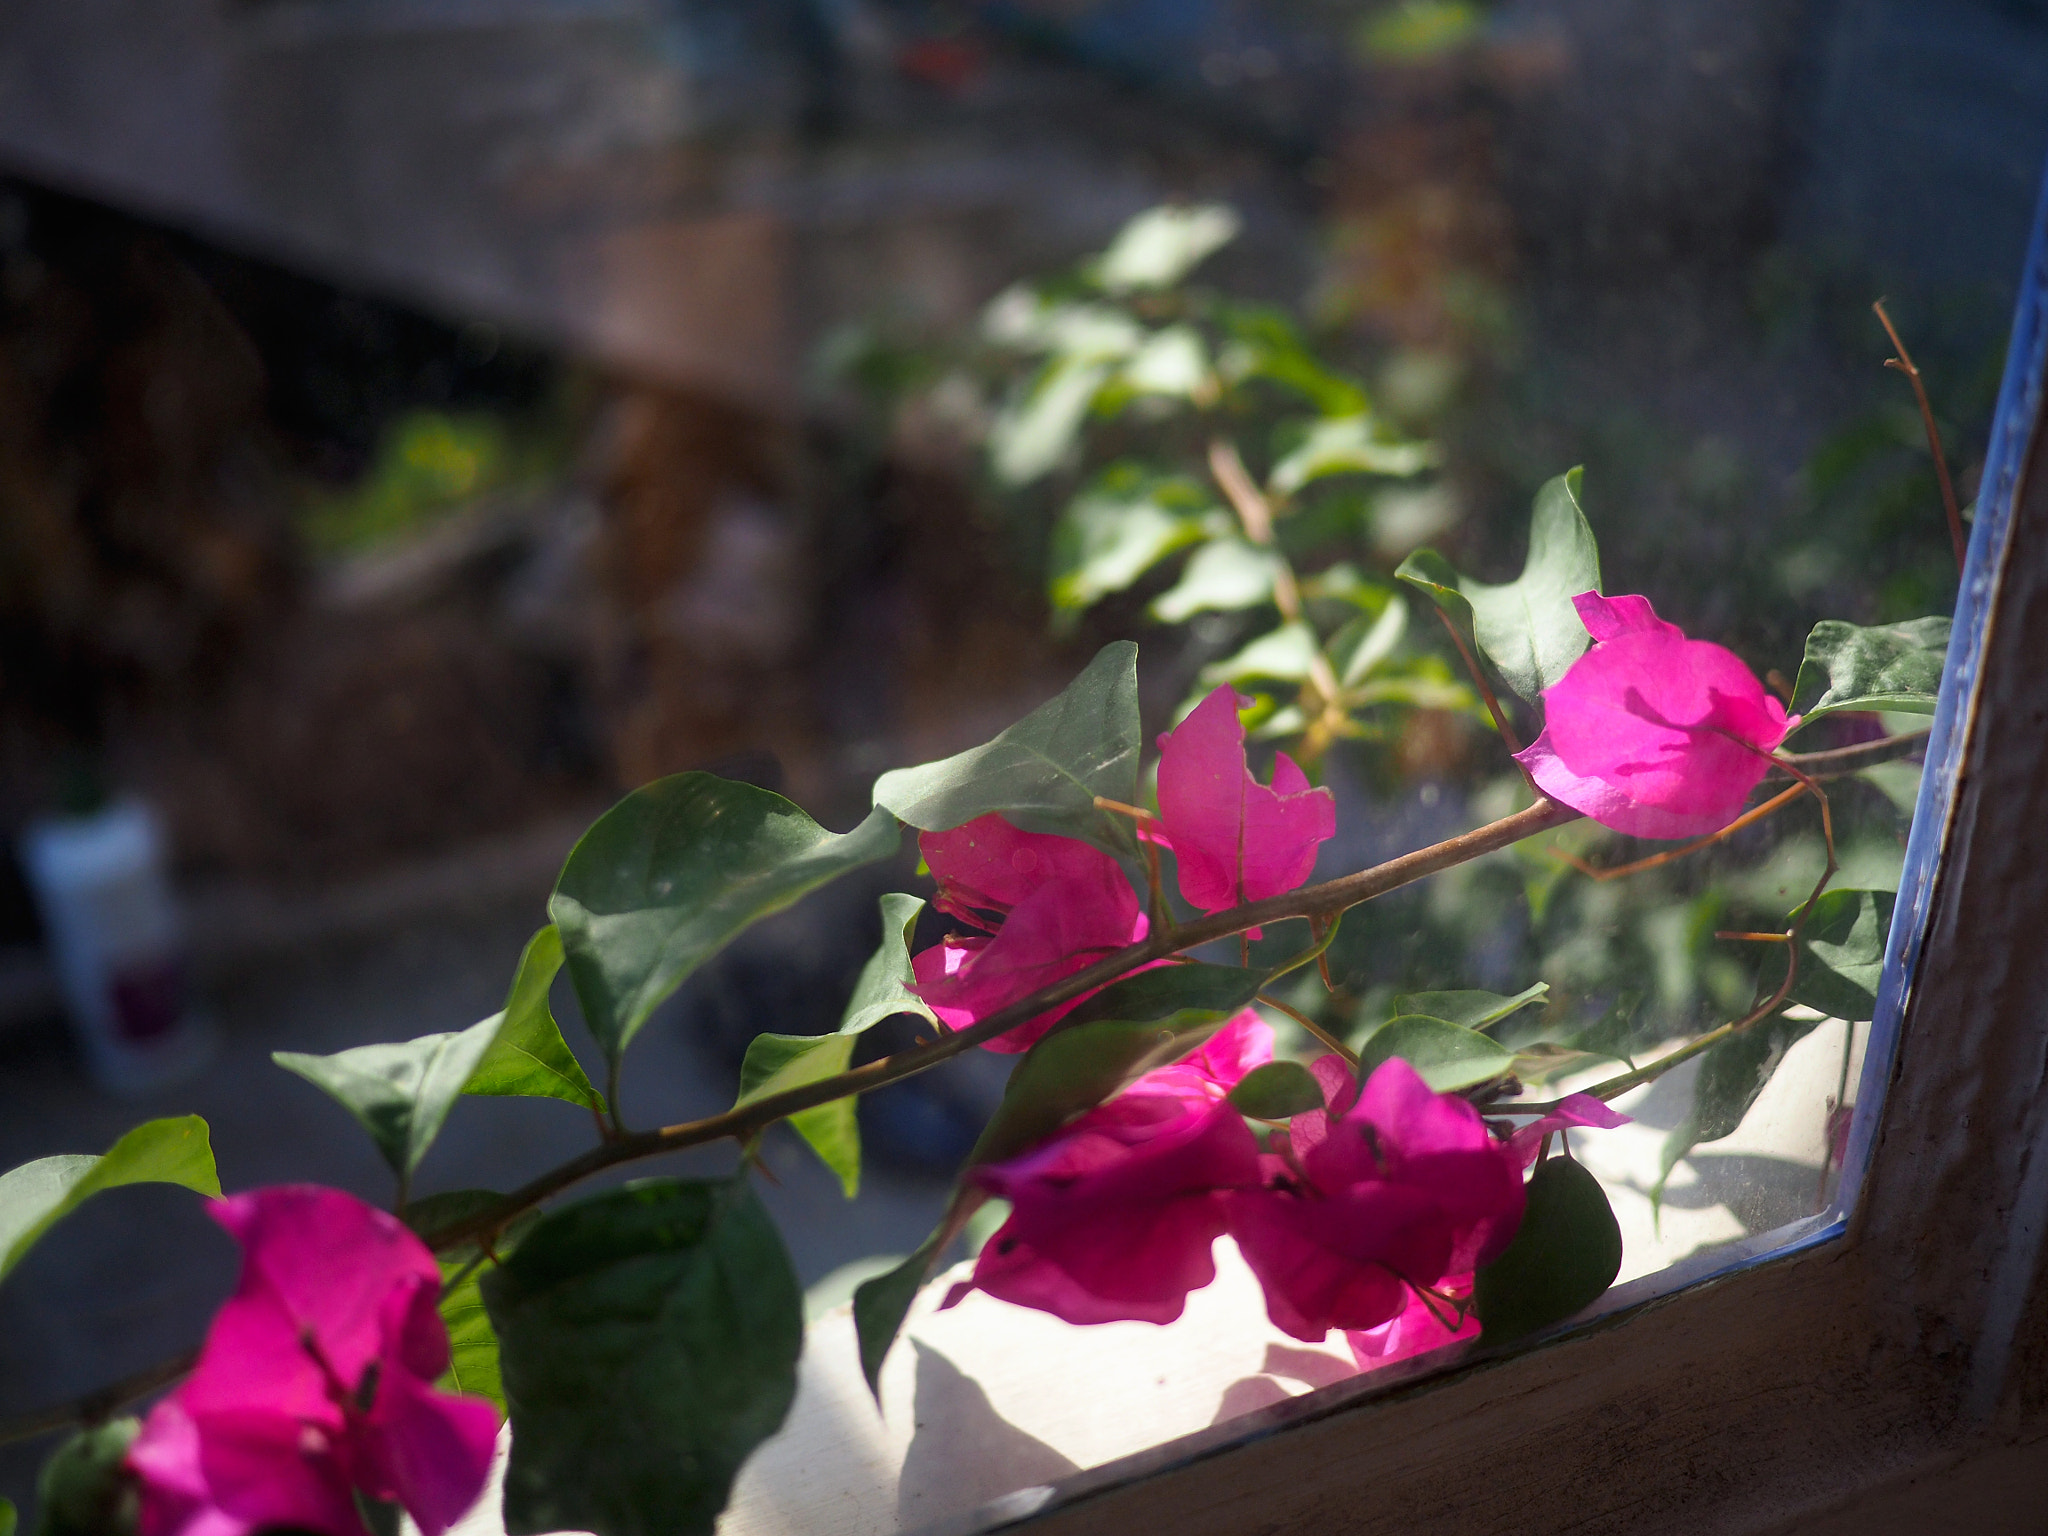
(1364,643)
(528,1058)
(1035,431)
(1841,954)
(883,990)
(472,1342)
(777,1062)
(1447,1056)
(1115,532)
(1276,1091)
(1894,667)
(84,1489)
(1044,772)
(882,1301)
(1223,574)
(1474,1010)
(881,1304)
(1162,245)
(1528,628)
(38,1195)
(1167,990)
(400,1093)
(1172,362)
(1347,445)
(1285,655)
(1565,1254)
(1265,344)
(1731,1076)
(8,1517)
(672,872)
(1101,1048)
(648,1339)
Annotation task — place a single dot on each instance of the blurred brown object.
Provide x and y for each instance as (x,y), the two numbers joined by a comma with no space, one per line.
(704,569)
(1420,233)
(144,532)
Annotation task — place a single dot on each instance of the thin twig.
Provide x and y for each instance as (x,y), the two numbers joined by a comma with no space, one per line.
(1840,762)
(1255,514)
(1746,819)
(1713,1037)
(1753,938)
(95,1406)
(1312,1027)
(1327,900)
(1500,718)
(1904,363)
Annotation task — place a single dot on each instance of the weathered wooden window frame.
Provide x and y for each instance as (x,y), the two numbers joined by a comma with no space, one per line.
(1880,1370)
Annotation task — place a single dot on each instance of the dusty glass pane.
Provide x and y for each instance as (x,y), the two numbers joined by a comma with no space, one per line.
(429,419)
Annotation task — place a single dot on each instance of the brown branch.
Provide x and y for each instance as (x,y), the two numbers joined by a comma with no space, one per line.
(1746,819)
(1840,762)
(1500,718)
(1635,1078)
(1255,513)
(1904,363)
(95,1406)
(741,1122)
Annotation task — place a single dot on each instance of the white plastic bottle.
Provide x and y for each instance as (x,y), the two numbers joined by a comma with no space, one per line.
(116,941)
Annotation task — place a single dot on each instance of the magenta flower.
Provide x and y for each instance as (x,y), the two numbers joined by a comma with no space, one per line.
(316,1380)
(1114,1217)
(1233,838)
(1209,1075)
(1650,733)
(1418,1328)
(1046,907)
(1398,1188)
(1569,1113)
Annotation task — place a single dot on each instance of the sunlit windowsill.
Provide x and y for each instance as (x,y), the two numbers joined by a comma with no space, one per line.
(984,1404)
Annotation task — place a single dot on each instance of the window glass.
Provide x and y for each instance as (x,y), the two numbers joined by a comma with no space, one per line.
(428,420)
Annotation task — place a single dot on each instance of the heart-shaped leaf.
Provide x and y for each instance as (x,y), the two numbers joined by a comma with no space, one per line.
(1043,773)
(85,1488)
(882,1302)
(1895,667)
(1078,1065)
(528,1058)
(1348,445)
(1446,1056)
(38,1195)
(472,1342)
(1117,530)
(1222,575)
(648,1339)
(1160,246)
(400,1093)
(1841,954)
(777,1062)
(883,990)
(1474,1010)
(1841,958)
(1277,1090)
(1527,628)
(672,872)
(1565,1254)
(1731,1075)
(1167,990)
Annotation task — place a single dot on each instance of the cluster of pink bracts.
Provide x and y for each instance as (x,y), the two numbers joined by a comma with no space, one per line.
(1369,1217)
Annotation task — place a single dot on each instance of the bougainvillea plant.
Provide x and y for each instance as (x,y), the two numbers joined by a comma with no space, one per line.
(1403,1189)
